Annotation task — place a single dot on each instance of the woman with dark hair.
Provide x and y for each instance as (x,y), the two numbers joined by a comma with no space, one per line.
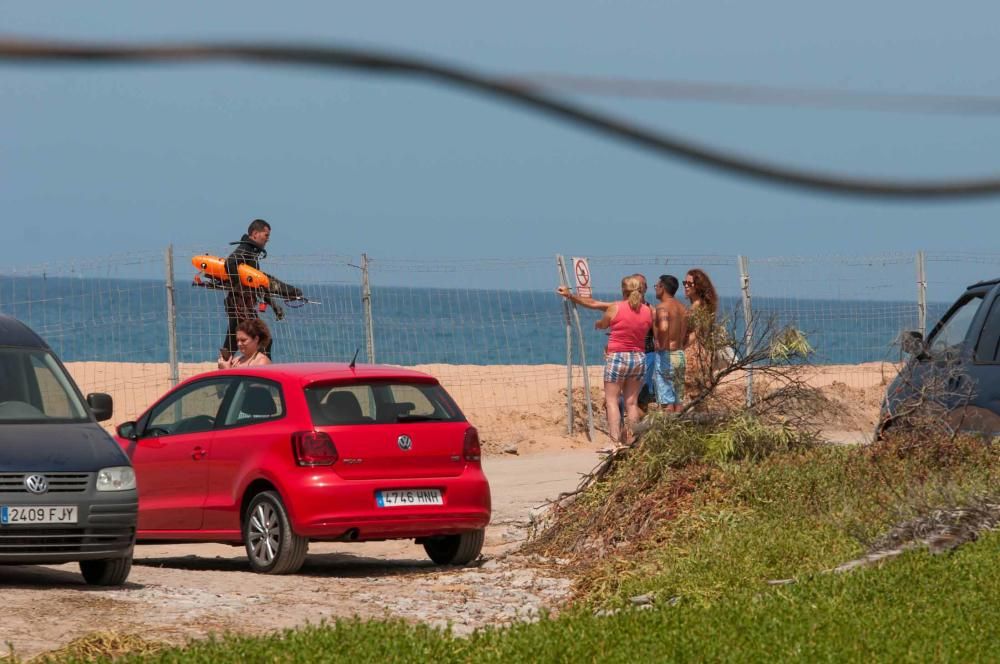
(625,360)
(252,336)
(704,300)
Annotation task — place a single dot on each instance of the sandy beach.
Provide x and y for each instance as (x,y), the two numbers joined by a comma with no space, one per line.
(515,407)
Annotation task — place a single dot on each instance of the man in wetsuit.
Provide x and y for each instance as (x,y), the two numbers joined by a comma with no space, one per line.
(241,301)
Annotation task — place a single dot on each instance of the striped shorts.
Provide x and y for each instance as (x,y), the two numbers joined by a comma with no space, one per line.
(620,366)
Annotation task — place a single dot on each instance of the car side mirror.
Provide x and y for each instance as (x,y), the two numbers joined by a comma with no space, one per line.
(127,430)
(101,404)
(912,342)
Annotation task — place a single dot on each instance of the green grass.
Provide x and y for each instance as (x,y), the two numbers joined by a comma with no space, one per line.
(704,523)
(917,608)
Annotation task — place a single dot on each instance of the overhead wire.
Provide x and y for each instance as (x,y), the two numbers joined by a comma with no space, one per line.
(370,60)
(758,95)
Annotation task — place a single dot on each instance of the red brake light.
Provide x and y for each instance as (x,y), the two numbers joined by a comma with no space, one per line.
(470,447)
(313,448)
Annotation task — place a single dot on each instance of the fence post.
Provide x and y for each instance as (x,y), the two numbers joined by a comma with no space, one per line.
(569,353)
(921,293)
(744,264)
(564,280)
(366,300)
(171,317)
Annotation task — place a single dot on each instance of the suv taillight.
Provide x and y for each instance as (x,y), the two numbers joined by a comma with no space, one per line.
(470,447)
(313,448)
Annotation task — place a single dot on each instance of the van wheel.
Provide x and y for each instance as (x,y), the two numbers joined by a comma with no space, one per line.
(111,572)
(272,547)
(459,549)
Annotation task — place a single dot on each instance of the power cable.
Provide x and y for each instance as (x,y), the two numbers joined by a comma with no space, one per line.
(383,62)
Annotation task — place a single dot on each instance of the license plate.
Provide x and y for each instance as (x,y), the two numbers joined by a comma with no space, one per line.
(21,514)
(404,497)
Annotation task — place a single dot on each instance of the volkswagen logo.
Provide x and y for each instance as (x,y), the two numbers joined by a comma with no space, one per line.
(404,442)
(36,483)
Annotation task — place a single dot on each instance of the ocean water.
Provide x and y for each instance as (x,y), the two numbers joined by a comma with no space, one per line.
(127,320)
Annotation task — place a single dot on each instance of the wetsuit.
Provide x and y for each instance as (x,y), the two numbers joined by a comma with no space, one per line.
(241,302)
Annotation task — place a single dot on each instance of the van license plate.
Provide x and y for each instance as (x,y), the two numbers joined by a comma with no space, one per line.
(28,514)
(403,497)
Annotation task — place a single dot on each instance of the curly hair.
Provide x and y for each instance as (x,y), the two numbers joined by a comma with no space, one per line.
(704,290)
(257,329)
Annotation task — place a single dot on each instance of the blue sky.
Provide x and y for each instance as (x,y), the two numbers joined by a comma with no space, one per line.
(105,160)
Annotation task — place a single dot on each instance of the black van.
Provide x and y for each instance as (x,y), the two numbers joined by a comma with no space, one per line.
(67,490)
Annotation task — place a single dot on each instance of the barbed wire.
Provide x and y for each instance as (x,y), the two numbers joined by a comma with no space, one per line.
(24,50)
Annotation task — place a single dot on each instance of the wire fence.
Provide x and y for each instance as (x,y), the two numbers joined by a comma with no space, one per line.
(492,330)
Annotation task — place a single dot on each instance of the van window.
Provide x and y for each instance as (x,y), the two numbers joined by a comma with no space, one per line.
(34,388)
(949,335)
(380,403)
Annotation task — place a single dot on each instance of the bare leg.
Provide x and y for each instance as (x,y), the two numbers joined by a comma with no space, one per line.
(631,395)
(611,392)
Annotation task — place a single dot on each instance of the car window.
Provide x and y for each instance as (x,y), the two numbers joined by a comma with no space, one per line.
(988,346)
(255,401)
(55,399)
(34,388)
(411,394)
(380,403)
(950,334)
(192,410)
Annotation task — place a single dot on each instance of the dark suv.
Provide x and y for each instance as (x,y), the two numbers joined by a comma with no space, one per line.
(67,491)
(953,374)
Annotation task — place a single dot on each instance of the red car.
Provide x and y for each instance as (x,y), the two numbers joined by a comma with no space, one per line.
(278,455)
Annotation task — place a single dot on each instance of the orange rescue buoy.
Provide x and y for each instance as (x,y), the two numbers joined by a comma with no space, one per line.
(215,267)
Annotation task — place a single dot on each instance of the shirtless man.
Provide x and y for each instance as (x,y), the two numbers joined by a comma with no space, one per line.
(670,331)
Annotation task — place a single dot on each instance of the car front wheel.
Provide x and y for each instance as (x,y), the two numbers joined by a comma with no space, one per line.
(271,545)
(111,572)
(459,549)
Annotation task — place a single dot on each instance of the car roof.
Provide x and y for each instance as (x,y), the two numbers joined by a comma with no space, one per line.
(15,333)
(984,284)
(320,372)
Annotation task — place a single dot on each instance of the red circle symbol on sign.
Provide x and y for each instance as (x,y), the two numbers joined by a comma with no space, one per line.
(582,273)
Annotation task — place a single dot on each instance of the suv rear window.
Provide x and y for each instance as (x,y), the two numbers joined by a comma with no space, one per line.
(380,403)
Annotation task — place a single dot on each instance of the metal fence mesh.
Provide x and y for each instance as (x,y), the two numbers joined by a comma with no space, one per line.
(492,330)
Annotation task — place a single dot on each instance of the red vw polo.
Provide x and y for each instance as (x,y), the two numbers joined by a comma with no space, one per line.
(278,455)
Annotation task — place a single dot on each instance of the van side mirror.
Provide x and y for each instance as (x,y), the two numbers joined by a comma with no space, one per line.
(912,342)
(101,404)
(127,430)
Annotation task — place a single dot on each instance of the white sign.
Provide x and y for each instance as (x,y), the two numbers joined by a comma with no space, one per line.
(581,274)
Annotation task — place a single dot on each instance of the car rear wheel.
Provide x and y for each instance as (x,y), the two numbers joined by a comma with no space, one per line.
(112,572)
(459,549)
(272,547)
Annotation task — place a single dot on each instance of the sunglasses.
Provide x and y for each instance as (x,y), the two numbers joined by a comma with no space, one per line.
(689,283)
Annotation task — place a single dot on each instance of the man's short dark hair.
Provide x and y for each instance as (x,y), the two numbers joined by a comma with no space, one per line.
(669,283)
(258,225)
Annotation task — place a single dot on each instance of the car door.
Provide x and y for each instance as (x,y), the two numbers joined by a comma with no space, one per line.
(253,438)
(172,454)
(983,413)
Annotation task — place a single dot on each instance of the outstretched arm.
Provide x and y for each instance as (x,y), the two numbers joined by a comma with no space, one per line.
(585,302)
(605,320)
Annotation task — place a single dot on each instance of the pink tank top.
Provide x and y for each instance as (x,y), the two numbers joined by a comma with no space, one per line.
(629,328)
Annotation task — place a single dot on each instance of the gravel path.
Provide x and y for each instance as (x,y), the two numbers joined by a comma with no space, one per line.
(185,591)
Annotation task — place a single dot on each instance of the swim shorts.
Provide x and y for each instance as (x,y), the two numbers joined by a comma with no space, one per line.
(669,377)
(620,366)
